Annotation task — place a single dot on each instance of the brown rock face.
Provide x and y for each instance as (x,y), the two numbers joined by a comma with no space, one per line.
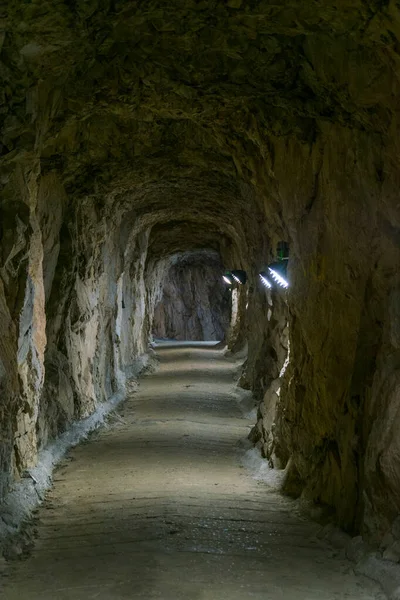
(135,132)
(195,303)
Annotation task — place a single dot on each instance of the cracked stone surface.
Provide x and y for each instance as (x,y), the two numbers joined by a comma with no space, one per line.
(195,303)
(133,132)
(159,506)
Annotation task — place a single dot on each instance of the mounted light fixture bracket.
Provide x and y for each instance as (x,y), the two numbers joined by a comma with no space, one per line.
(235,276)
(239,276)
(276,272)
(282,251)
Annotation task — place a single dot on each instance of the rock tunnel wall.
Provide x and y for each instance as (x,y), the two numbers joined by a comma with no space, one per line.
(337,396)
(75,300)
(153,137)
(195,304)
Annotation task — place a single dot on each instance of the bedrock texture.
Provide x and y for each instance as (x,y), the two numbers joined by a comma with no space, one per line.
(133,133)
(195,302)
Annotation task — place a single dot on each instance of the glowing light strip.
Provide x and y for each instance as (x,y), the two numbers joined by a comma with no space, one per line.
(226,279)
(278,278)
(265,282)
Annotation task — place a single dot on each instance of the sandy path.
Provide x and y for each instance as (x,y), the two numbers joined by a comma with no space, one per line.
(158,506)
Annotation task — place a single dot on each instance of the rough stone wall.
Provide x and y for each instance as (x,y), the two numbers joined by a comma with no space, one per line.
(272,359)
(338,391)
(134,131)
(195,304)
(74,298)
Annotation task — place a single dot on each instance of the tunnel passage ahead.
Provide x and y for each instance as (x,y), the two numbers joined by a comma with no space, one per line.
(158,506)
(195,302)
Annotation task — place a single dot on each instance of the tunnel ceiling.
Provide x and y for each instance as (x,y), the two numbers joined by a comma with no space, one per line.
(134,131)
(184,93)
(184,236)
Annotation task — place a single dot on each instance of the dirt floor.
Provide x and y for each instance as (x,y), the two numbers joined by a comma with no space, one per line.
(159,506)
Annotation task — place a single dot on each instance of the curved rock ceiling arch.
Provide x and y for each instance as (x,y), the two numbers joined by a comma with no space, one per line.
(132,131)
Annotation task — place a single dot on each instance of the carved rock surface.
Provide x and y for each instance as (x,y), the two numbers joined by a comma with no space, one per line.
(132,132)
(195,303)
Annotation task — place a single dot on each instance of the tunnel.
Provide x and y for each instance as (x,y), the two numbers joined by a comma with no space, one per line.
(195,303)
(199,270)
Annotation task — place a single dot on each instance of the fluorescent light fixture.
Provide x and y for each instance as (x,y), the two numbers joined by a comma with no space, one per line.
(280,280)
(235,275)
(239,276)
(265,280)
(277,271)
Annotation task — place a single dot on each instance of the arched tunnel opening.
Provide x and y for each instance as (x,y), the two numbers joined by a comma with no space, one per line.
(194,303)
(199,264)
